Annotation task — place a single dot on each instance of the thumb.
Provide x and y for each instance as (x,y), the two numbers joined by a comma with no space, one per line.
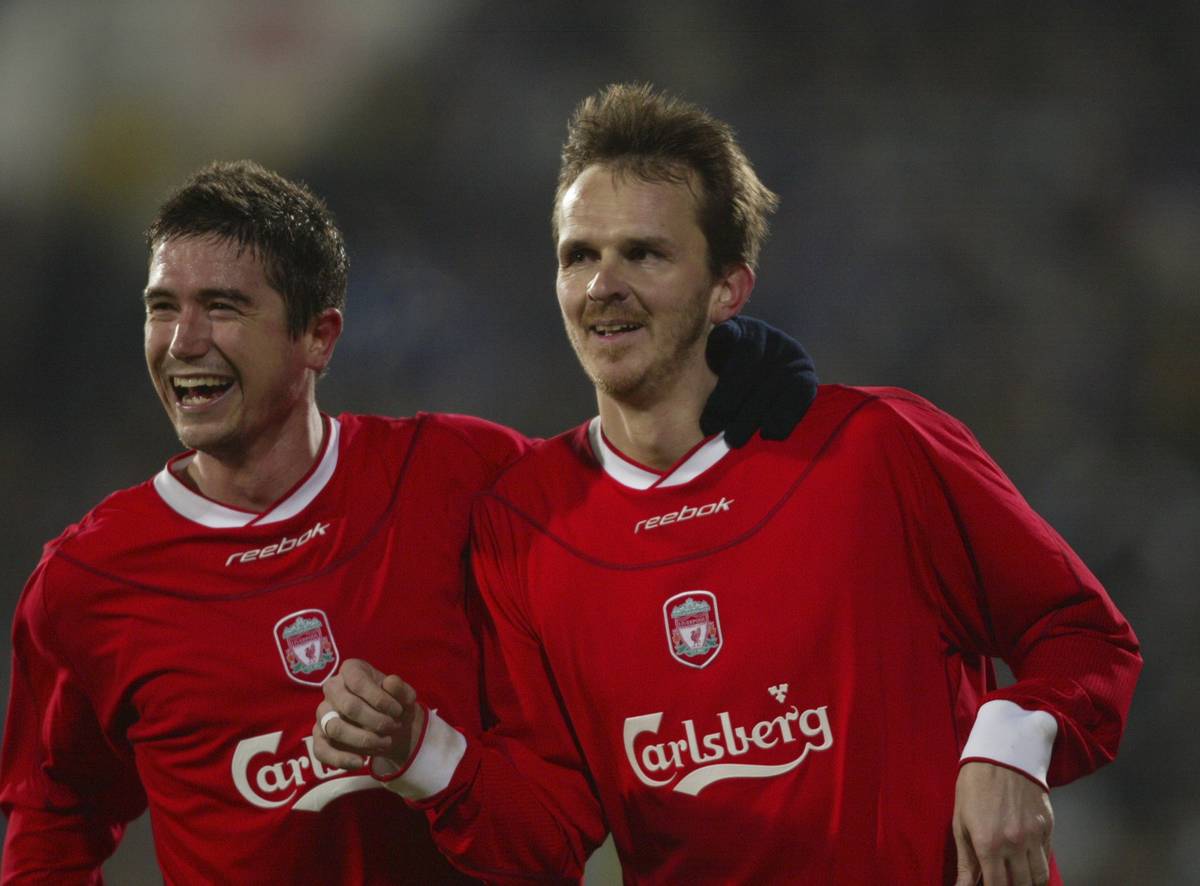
(968,864)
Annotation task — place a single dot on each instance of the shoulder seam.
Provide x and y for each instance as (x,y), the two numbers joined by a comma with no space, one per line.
(460,434)
(63,654)
(332,566)
(542,529)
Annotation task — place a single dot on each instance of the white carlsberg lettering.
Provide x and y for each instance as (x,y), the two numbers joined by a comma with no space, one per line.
(277,782)
(282,546)
(659,764)
(687,512)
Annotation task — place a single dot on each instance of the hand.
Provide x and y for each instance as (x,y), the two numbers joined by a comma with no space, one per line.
(378,715)
(765,381)
(1002,826)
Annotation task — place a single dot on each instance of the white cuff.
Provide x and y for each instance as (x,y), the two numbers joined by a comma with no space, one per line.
(1008,734)
(430,770)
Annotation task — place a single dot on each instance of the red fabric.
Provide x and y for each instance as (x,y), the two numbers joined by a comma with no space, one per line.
(870,564)
(147,667)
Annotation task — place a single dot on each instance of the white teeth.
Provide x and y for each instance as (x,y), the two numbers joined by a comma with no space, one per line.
(196,381)
(611,328)
(195,389)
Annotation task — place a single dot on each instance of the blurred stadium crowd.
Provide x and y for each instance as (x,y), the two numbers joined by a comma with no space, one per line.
(997,208)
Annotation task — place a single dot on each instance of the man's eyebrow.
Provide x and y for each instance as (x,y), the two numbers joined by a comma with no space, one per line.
(659,244)
(226,295)
(651,241)
(573,243)
(234,295)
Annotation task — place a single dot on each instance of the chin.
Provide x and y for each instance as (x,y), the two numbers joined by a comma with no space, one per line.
(204,439)
(615,384)
(612,377)
(637,392)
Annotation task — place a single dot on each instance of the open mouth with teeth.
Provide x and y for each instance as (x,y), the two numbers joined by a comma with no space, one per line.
(609,329)
(197,390)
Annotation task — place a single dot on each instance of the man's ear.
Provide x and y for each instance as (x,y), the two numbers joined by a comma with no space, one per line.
(322,336)
(730,292)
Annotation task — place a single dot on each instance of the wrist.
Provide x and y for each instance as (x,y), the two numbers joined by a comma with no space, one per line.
(1007,735)
(432,763)
(386,769)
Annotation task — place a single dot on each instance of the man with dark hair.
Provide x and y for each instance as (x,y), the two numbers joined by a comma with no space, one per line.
(170,647)
(770,664)
(285,224)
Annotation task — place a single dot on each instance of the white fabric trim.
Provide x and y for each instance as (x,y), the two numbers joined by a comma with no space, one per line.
(628,474)
(614,465)
(195,507)
(311,488)
(699,462)
(441,750)
(214,515)
(1009,734)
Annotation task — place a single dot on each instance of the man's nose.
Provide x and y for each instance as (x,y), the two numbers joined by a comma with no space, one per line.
(607,284)
(192,334)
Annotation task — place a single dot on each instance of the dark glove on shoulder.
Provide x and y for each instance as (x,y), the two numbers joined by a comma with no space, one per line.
(765,381)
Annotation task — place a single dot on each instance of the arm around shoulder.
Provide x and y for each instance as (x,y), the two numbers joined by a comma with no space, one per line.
(519,803)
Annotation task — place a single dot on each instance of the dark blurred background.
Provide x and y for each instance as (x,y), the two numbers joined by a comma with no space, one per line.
(996,206)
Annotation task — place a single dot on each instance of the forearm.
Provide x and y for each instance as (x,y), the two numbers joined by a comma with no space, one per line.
(42,846)
(497,811)
(1084,676)
(1008,586)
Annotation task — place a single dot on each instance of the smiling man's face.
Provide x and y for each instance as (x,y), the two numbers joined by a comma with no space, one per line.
(634,284)
(217,346)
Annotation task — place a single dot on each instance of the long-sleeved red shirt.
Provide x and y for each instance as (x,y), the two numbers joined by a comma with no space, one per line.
(170,651)
(764,665)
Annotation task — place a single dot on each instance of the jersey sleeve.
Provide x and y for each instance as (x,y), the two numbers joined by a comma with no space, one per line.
(66,791)
(519,804)
(1008,586)
(489,447)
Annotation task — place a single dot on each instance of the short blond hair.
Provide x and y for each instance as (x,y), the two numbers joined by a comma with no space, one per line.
(631,128)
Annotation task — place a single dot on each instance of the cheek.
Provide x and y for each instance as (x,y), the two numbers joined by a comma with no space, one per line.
(715,305)
(565,290)
(155,342)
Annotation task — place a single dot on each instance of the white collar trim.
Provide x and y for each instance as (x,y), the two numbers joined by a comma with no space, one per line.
(215,515)
(634,476)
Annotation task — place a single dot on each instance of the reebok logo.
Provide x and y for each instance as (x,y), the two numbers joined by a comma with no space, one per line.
(687,512)
(282,546)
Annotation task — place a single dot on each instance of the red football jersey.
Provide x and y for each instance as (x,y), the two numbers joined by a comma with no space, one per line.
(170,650)
(763,665)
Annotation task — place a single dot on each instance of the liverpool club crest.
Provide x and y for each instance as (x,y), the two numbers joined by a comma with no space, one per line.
(693,627)
(306,646)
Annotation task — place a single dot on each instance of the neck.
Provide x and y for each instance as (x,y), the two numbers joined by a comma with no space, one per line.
(658,433)
(255,477)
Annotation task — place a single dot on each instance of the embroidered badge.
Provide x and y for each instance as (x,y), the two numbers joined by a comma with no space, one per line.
(693,627)
(306,645)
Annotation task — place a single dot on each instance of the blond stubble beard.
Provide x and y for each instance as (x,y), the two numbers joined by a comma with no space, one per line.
(659,371)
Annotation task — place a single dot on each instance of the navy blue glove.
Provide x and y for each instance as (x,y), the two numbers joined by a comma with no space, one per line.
(765,381)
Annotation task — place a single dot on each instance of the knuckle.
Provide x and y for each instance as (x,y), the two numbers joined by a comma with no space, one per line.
(994,846)
(1017,833)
